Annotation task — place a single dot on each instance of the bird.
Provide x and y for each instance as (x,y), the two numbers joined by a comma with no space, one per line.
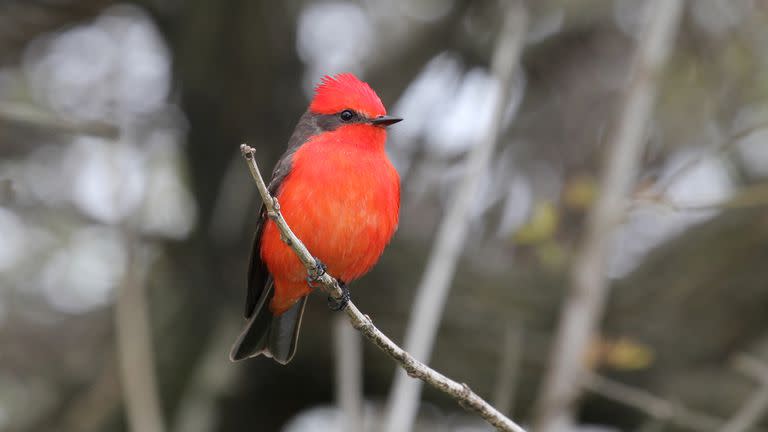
(340,194)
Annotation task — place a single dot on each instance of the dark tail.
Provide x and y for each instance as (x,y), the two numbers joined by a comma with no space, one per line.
(269,335)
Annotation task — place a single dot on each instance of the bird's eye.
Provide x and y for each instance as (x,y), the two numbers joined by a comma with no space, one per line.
(347,115)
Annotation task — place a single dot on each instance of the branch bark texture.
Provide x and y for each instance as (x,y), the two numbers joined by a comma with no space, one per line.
(584,306)
(416,369)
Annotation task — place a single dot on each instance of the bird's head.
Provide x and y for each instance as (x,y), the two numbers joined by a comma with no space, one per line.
(344,99)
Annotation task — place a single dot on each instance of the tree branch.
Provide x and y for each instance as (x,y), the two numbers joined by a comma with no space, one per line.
(134,347)
(756,406)
(432,293)
(511,357)
(211,379)
(27,114)
(662,186)
(349,376)
(583,308)
(416,369)
(656,407)
(751,196)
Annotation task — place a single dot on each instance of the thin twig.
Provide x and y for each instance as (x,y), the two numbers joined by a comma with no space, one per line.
(750,412)
(509,368)
(432,292)
(584,306)
(756,406)
(27,114)
(89,411)
(751,367)
(663,185)
(134,347)
(197,409)
(652,405)
(349,376)
(461,392)
(752,196)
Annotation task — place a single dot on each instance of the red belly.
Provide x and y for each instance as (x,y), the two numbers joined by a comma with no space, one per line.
(344,216)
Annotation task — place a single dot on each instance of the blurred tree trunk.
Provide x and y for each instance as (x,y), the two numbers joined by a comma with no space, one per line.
(236,73)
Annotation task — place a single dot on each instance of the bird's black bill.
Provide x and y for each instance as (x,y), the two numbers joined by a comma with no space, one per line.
(385,121)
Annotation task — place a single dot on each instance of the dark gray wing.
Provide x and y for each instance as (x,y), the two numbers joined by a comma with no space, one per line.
(258,274)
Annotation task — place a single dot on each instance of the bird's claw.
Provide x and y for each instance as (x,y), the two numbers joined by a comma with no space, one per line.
(339,304)
(315,274)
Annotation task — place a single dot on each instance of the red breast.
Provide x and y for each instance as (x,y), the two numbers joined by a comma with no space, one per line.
(341,198)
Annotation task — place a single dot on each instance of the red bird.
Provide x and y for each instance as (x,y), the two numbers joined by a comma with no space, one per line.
(340,195)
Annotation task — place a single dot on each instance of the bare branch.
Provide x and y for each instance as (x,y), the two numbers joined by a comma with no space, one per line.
(584,306)
(652,405)
(212,378)
(750,413)
(756,406)
(427,308)
(509,368)
(416,369)
(752,367)
(89,411)
(349,376)
(27,114)
(134,348)
(663,186)
(751,196)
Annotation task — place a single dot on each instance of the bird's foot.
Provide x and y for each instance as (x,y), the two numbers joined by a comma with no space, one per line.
(339,304)
(314,275)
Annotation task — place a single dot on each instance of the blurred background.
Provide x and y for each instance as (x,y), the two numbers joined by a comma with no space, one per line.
(126,211)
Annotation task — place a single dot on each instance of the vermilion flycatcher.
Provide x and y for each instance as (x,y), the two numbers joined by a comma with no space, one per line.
(340,195)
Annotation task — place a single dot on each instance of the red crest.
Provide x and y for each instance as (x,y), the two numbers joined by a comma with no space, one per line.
(345,91)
